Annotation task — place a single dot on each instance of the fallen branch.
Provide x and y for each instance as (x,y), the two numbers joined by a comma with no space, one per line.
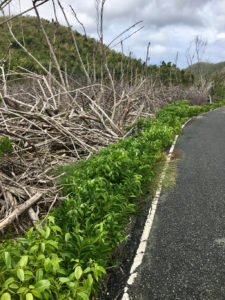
(19,210)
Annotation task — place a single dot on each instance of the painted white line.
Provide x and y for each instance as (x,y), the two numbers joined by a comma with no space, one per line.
(186,123)
(148,225)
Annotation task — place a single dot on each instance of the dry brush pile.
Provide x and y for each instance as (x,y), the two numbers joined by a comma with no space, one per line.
(49,125)
(47,129)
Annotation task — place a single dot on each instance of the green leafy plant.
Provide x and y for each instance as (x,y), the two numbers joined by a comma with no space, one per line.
(5,146)
(36,267)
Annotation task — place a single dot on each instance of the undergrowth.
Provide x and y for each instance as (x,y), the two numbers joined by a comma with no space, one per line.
(68,256)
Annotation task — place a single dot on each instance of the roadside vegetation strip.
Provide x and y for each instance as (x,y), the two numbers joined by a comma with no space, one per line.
(67,257)
(147,228)
(164,180)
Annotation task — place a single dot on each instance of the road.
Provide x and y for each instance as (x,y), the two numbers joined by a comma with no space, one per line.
(185,254)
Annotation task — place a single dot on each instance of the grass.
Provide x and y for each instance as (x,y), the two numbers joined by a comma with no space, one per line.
(170,176)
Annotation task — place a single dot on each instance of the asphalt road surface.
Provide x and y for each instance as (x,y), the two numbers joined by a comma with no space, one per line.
(185,256)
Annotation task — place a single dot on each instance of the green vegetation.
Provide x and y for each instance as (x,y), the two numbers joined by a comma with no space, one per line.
(205,68)
(5,146)
(29,34)
(214,73)
(218,88)
(67,257)
(170,175)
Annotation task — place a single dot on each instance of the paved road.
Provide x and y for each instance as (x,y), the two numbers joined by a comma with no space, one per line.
(185,256)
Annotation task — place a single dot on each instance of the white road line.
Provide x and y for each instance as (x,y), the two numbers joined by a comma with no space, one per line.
(148,225)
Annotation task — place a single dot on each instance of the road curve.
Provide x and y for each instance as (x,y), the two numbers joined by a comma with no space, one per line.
(185,254)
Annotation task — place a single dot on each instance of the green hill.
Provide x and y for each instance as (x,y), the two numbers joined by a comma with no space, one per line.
(205,68)
(29,34)
(214,73)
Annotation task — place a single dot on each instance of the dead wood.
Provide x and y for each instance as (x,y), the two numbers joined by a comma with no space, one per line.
(19,210)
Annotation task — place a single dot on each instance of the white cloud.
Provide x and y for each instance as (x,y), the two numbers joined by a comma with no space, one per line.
(221,35)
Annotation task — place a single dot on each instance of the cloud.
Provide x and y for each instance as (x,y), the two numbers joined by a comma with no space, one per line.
(221,35)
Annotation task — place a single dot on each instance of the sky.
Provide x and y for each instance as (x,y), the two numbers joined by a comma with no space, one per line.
(171,26)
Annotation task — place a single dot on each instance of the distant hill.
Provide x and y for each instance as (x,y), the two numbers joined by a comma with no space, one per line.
(215,73)
(206,68)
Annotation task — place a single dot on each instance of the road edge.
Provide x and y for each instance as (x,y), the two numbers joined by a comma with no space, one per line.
(149,221)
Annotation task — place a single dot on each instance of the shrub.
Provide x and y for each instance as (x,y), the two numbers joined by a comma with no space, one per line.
(5,146)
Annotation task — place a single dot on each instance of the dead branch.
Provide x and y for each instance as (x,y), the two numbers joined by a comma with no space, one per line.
(6,2)
(130,35)
(126,30)
(82,25)
(19,210)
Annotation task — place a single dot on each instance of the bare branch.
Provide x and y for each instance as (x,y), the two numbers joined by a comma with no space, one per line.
(22,13)
(82,25)
(127,37)
(126,30)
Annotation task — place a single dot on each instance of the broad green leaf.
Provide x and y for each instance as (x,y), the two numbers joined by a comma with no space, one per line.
(42,285)
(40,257)
(29,296)
(64,279)
(47,233)
(6,296)
(27,272)
(30,232)
(7,258)
(42,247)
(101,269)
(42,232)
(22,290)
(51,219)
(71,284)
(31,286)
(72,276)
(56,228)
(47,264)
(13,286)
(52,243)
(87,270)
(55,265)
(33,249)
(8,281)
(28,277)
(39,275)
(23,261)
(78,272)
(67,237)
(20,274)
(89,280)
(83,296)
(36,294)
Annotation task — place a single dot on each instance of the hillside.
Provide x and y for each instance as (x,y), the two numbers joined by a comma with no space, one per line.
(61,39)
(29,34)
(206,68)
